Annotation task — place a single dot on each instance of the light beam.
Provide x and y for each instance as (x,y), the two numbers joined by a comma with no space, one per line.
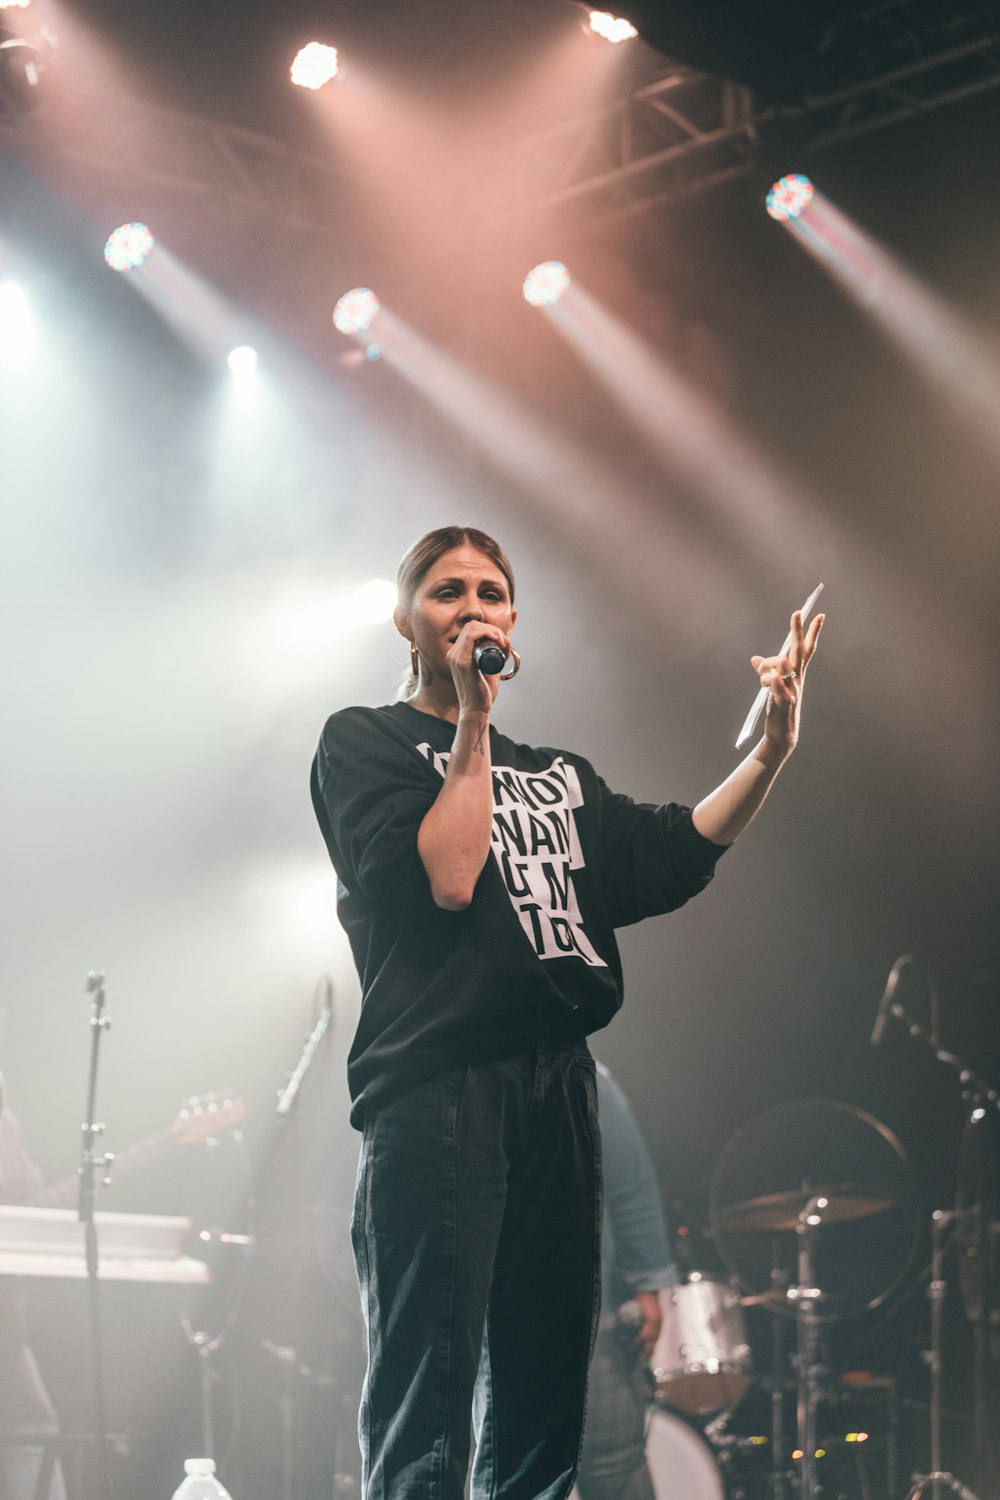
(17,329)
(934,337)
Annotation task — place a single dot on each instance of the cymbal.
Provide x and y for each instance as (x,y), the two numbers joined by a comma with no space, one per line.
(781,1211)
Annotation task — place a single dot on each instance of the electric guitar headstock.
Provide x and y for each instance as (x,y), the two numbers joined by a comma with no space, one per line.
(205,1117)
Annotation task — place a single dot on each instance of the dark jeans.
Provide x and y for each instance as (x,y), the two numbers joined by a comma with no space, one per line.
(613,1466)
(477,1239)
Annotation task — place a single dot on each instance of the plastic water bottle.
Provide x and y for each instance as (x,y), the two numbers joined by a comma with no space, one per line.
(201,1483)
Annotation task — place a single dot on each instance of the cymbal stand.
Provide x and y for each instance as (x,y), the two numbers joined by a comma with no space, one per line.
(809,1370)
(936,1292)
(941,1223)
(779,1479)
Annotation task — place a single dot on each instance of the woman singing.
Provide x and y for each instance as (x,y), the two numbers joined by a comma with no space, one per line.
(480,885)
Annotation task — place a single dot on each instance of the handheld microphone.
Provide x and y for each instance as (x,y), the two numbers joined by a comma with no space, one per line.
(489,658)
(888,995)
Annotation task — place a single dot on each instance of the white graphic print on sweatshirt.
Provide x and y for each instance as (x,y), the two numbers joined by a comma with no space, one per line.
(536,845)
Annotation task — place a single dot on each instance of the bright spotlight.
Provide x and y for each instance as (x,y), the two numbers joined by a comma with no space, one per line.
(374,602)
(243,361)
(17,333)
(356,311)
(314,66)
(14,4)
(789,197)
(128,247)
(544,285)
(611,28)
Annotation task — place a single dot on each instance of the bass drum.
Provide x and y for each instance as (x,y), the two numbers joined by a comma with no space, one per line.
(680,1461)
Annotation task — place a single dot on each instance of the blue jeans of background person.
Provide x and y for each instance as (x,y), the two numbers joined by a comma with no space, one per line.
(476,1234)
(613,1466)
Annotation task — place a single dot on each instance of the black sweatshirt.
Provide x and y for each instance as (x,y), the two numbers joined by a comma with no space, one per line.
(571,861)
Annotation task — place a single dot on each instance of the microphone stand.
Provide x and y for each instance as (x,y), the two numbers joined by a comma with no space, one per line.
(977,1094)
(288,1095)
(286,1112)
(92,1167)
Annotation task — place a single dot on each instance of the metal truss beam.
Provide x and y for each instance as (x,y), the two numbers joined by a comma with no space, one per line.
(677,133)
(686,131)
(246,173)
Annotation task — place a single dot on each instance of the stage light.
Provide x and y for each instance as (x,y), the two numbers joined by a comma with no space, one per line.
(356,311)
(17,333)
(545,284)
(128,247)
(611,28)
(789,196)
(315,66)
(14,4)
(243,361)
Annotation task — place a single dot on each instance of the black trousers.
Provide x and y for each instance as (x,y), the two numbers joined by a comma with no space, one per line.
(476,1235)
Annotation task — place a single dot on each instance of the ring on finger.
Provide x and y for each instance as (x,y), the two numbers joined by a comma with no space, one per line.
(789,676)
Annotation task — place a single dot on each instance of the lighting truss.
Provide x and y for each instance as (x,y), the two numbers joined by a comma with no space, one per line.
(228,169)
(676,133)
(686,131)
(681,129)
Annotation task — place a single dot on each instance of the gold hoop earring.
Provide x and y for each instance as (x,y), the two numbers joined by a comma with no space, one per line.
(507,676)
(414,660)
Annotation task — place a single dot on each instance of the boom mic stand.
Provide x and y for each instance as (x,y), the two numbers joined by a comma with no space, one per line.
(92,1167)
(286,1111)
(977,1094)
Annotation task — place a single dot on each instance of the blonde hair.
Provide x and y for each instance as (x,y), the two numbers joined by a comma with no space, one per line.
(421,558)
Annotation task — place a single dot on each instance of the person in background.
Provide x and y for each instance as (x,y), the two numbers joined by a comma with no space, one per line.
(636,1265)
(25,1407)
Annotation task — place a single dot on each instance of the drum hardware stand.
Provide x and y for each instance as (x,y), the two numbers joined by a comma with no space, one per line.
(726,1446)
(288,1362)
(205,1345)
(94,1169)
(809,1370)
(778,1482)
(937,1288)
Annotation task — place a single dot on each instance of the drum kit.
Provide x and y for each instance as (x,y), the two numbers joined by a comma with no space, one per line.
(814,1214)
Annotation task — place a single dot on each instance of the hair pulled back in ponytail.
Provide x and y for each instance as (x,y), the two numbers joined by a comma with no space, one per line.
(424,554)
